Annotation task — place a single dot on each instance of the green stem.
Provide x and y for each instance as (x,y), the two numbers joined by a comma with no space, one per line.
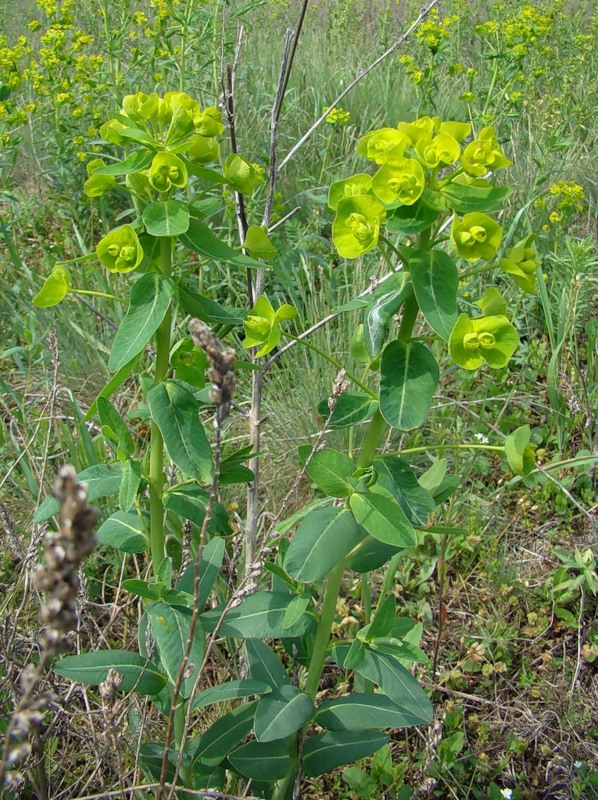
(424,449)
(477,271)
(389,575)
(363,684)
(318,659)
(333,361)
(372,438)
(410,312)
(97,294)
(156,470)
(333,586)
(392,247)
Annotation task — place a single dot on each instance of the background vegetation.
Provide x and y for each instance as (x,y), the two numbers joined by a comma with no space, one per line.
(510,605)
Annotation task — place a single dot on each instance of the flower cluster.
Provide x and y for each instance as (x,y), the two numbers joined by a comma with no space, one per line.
(412,160)
(434,31)
(338,117)
(563,201)
(430,173)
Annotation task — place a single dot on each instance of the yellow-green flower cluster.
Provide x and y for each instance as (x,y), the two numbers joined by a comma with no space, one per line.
(571,196)
(562,202)
(415,73)
(410,159)
(434,31)
(337,116)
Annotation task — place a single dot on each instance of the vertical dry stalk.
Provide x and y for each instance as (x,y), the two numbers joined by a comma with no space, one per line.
(255,416)
(64,551)
(221,364)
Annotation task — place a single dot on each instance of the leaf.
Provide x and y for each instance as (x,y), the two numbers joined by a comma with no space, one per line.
(149,591)
(432,478)
(225,734)
(435,283)
(134,162)
(331,471)
(518,450)
(209,567)
(384,619)
(171,630)
(150,756)
(264,665)
(322,540)
(262,761)
(126,532)
(55,288)
(295,610)
(397,477)
(468,197)
(409,377)
(130,483)
(150,300)
(208,310)
(258,244)
(166,218)
(350,409)
(382,309)
(371,555)
(395,681)
(412,219)
(176,413)
(232,690)
(111,419)
(102,480)
(203,241)
(358,711)
(137,674)
(281,713)
(260,616)
(383,518)
(325,751)
(190,501)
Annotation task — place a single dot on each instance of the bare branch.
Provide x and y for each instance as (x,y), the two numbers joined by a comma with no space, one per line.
(421,16)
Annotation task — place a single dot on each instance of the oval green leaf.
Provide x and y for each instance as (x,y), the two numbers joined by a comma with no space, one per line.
(409,377)
(262,761)
(166,218)
(150,300)
(324,537)
(102,480)
(233,690)
(361,712)
(435,282)
(137,674)
(126,532)
(331,471)
(175,411)
(281,713)
(325,751)
(383,518)
(170,628)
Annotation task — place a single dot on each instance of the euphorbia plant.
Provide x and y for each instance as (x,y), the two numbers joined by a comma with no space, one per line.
(374,507)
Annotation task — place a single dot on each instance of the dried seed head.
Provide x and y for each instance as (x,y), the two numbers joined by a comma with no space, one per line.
(58,580)
(220,372)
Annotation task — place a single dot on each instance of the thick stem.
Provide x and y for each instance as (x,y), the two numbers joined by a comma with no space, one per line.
(156,468)
(333,586)
(372,438)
